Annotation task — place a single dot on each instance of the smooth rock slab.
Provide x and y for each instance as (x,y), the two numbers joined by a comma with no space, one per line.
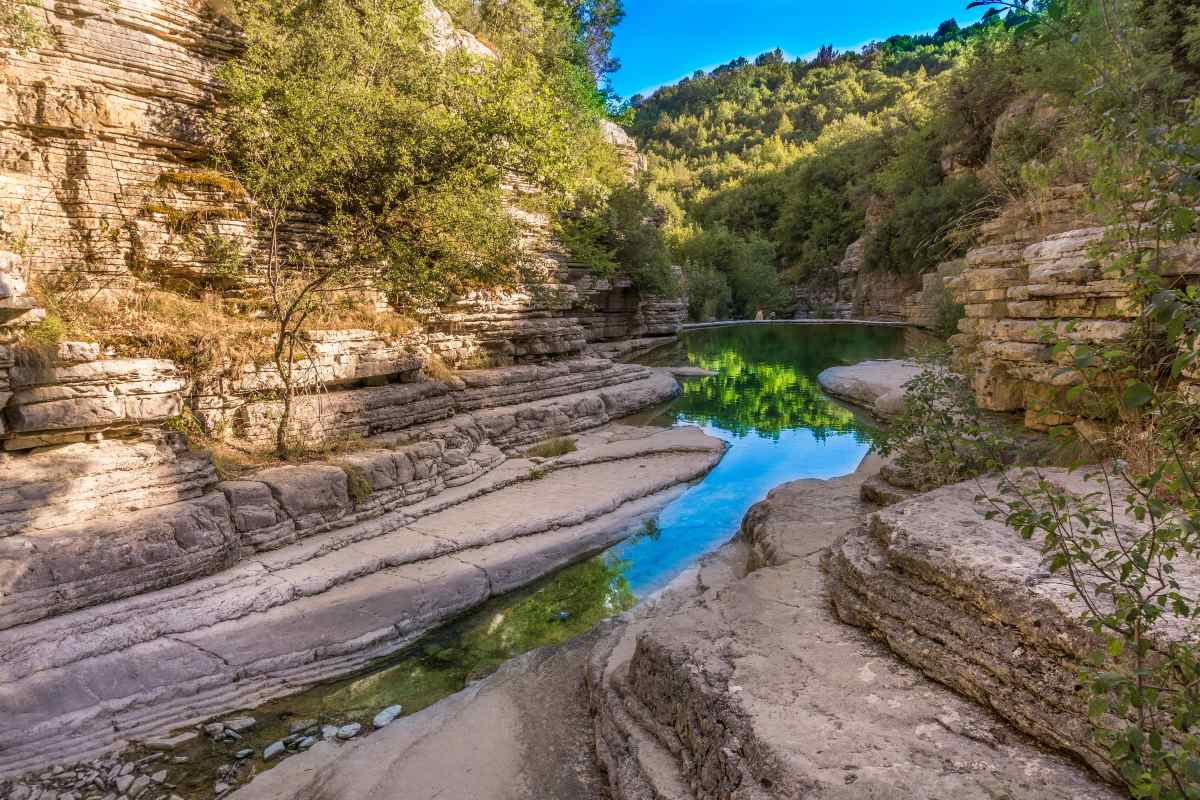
(76,684)
(756,690)
(876,385)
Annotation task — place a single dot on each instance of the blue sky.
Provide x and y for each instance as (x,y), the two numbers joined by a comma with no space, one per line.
(661,41)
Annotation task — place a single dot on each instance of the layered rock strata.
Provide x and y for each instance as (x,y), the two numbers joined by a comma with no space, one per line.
(968,602)
(338,565)
(1037,271)
(756,690)
(88,524)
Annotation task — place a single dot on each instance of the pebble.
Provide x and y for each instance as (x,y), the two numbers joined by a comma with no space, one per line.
(242,755)
(139,786)
(274,749)
(220,789)
(124,782)
(241,724)
(306,742)
(385,717)
(160,776)
(349,731)
(214,729)
(301,725)
(328,731)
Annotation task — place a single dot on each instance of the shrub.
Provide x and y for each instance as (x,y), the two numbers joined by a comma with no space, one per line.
(552,448)
(913,238)
(942,437)
(619,234)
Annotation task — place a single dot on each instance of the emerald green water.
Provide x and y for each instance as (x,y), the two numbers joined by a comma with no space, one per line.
(764,401)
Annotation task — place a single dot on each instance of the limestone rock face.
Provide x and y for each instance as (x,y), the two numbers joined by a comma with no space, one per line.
(1035,270)
(89,396)
(968,602)
(848,291)
(753,689)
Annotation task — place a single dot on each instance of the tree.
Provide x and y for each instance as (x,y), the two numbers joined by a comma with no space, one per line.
(342,111)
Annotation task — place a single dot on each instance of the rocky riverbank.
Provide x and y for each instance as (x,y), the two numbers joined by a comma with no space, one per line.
(755,689)
(359,558)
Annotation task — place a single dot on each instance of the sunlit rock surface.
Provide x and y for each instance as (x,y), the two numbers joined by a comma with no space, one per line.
(341,577)
(755,689)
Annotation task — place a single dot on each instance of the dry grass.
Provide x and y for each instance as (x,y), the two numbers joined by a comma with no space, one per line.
(203,179)
(200,334)
(552,448)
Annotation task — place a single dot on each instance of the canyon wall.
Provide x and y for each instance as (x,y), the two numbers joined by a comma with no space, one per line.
(102,155)
(1037,271)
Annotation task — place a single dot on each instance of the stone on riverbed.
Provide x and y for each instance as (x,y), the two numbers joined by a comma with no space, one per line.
(385,717)
(875,385)
(349,731)
(274,749)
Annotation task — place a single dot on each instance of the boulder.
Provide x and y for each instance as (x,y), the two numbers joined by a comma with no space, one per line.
(876,385)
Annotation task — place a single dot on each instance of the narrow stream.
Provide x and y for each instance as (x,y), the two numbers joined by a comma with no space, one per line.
(764,400)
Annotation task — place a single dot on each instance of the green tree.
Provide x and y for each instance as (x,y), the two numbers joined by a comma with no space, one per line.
(344,111)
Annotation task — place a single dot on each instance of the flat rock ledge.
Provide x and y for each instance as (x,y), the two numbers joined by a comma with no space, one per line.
(969,603)
(875,385)
(79,684)
(754,689)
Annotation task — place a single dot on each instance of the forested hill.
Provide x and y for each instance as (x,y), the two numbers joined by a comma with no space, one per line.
(770,168)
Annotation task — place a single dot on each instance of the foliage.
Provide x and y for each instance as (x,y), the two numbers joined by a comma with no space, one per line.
(708,293)
(913,238)
(797,153)
(348,111)
(946,313)
(747,263)
(941,436)
(18,28)
(619,233)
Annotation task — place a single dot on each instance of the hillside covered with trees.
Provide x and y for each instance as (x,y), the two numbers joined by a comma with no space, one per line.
(770,168)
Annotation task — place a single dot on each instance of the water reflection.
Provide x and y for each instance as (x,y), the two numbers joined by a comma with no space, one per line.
(765,401)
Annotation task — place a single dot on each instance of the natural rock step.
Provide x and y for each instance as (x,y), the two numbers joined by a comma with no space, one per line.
(79,684)
(766,694)
(638,765)
(968,602)
(96,523)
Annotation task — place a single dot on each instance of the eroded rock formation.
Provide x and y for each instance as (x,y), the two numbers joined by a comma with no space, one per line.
(217,595)
(754,689)
(970,603)
(1035,272)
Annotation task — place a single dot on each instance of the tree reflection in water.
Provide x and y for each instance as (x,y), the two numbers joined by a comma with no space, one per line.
(766,376)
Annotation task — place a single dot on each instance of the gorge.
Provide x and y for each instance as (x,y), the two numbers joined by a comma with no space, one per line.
(389,410)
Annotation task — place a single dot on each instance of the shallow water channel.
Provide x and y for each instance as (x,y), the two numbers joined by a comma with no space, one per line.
(764,401)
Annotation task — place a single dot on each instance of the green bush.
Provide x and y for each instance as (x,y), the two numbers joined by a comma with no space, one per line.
(746,265)
(913,238)
(619,234)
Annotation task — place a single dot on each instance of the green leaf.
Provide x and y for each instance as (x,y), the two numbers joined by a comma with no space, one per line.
(1137,395)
